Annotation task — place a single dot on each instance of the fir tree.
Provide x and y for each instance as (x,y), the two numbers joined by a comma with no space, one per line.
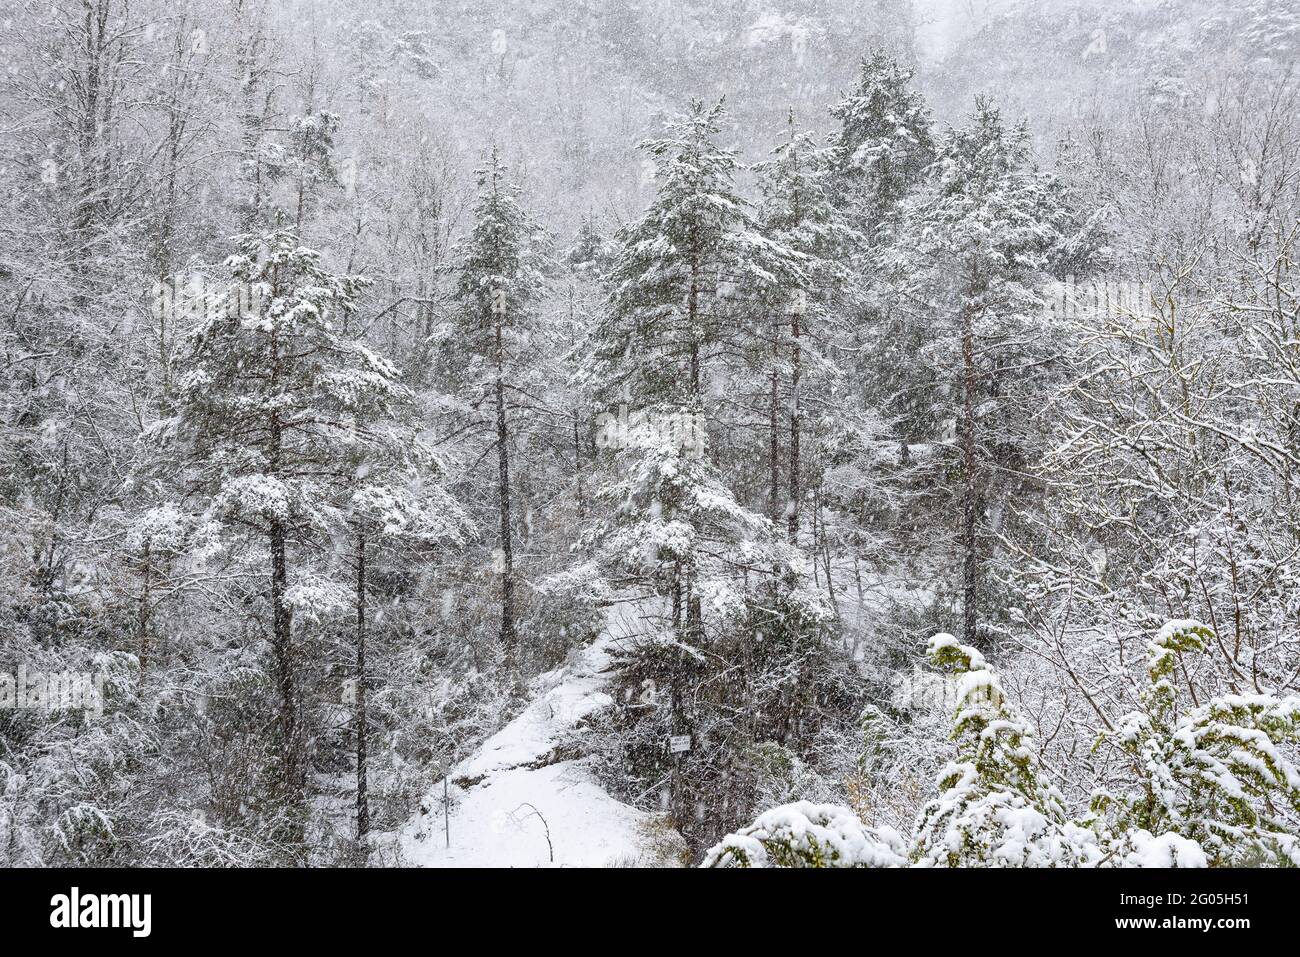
(884,144)
(272,388)
(499,277)
(988,225)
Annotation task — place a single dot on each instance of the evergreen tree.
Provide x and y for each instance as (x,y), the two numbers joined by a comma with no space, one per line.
(726,590)
(499,277)
(1218,775)
(881,411)
(309,160)
(668,315)
(884,143)
(994,808)
(987,226)
(271,389)
(798,215)
(880,154)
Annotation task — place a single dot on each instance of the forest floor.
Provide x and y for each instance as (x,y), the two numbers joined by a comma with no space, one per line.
(524,798)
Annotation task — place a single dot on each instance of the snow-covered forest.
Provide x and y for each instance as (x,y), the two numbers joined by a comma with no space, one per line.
(647,433)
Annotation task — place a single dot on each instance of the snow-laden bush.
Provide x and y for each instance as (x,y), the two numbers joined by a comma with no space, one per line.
(1209,787)
(1216,774)
(1143,849)
(809,835)
(994,808)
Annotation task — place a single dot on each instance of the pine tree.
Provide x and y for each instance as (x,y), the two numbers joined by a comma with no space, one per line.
(881,403)
(309,160)
(499,279)
(272,387)
(987,224)
(675,534)
(884,144)
(814,243)
(880,155)
(667,316)
(667,305)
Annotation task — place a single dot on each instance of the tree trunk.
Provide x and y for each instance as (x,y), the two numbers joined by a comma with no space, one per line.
(970,474)
(796,360)
(363,806)
(774,429)
(693,312)
(145,608)
(507,567)
(577,470)
(677,686)
(693,323)
(282,645)
(822,546)
(176,126)
(282,615)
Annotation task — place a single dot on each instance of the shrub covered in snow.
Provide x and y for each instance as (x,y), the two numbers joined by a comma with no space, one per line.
(809,835)
(1216,774)
(1209,787)
(994,808)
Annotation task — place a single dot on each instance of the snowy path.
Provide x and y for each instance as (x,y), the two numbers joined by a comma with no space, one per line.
(519,785)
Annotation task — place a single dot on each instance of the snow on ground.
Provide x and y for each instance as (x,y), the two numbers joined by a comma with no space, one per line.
(519,801)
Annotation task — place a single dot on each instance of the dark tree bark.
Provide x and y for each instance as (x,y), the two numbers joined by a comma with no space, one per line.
(796,425)
(282,615)
(577,469)
(145,606)
(692,321)
(282,647)
(363,805)
(970,475)
(508,636)
(774,431)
